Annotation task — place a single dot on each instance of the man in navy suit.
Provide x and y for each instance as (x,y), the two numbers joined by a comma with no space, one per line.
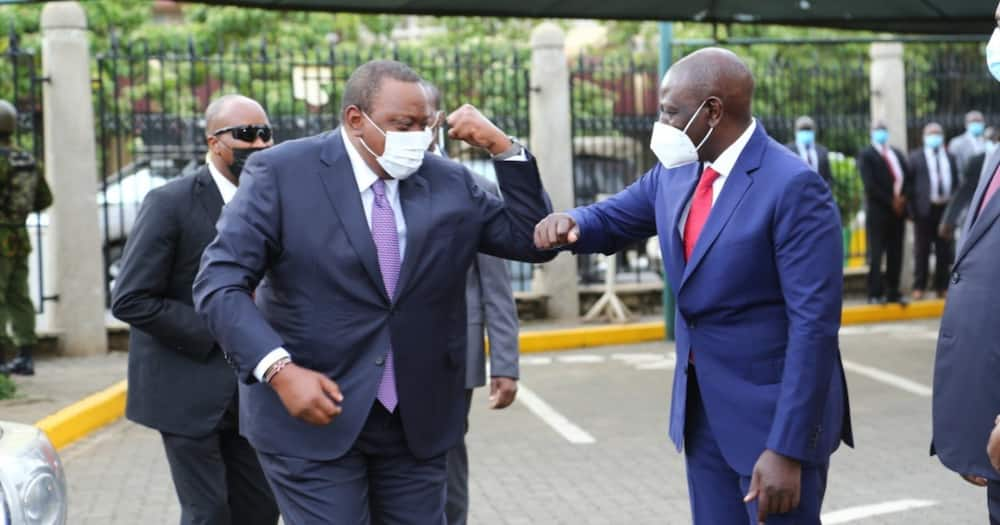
(752,248)
(352,360)
(967,363)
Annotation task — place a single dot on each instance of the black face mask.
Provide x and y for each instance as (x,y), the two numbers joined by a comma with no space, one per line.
(240,156)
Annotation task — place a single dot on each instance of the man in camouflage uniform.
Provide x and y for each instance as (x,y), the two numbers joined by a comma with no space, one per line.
(22,191)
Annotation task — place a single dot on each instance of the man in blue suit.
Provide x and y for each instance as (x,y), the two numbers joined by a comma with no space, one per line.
(751,242)
(357,241)
(967,364)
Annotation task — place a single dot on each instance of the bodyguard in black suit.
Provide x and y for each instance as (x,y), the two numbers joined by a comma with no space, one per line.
(883,172)
(178,379)
(813,153)
(934,182)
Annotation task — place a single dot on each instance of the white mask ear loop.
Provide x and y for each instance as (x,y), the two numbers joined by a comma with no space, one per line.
(710,130)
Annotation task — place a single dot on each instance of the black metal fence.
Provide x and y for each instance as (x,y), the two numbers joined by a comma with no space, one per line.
(943,82)
(21,85)
(150,103)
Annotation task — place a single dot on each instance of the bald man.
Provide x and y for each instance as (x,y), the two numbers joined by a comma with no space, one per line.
(752,248)
(179,381)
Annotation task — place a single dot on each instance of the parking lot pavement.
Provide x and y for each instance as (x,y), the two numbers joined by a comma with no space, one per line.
(588,444)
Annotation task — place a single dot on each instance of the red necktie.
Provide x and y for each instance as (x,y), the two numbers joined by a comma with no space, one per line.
(990,190)
(701,205)
(888,163)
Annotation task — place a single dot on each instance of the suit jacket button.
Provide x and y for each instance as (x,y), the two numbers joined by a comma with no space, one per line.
(380,360)
(955,277)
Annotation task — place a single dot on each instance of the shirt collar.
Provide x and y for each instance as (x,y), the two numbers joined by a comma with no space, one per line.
(725,163)
(363,174)
(226,188)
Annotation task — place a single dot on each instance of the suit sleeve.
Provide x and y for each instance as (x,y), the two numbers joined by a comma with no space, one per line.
(509,225)
(139,297)
(809,257)
(868,166)
(824,165)
(611,225)
(966,191)
(248,241)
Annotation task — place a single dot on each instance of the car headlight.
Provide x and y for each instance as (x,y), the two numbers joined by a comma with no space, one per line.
(31,476)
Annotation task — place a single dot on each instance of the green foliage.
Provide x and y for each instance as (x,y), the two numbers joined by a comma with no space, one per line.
(7,387)
(848,189)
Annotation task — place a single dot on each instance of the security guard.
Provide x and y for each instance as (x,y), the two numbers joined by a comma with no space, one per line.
(22,191)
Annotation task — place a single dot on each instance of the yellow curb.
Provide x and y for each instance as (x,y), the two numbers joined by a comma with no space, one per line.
(572,338)
(85,416)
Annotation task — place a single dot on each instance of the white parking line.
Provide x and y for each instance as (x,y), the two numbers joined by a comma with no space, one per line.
(557,421)
(866,511)
(583,358)
(535,360)
(882,376)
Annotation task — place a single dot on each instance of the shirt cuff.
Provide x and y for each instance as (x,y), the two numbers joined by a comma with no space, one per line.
(520,157)
(269,359)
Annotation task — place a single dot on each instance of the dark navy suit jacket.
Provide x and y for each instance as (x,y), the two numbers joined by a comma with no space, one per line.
(967,364)
(759,302)
(297,227)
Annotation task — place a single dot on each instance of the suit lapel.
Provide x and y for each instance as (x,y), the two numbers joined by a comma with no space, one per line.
(342,190)
(732,193)
(681,181)
(208,194)
(736,186)
(975,226)
(414,197)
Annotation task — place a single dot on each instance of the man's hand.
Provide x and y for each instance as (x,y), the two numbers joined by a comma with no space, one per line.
(503,390)
(468,124)
(975,480)
(899,205)
(556,230)
(993,446)
(308,395)
(946,231)
(776,484)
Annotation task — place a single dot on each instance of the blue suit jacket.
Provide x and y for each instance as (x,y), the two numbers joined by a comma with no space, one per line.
(297,227)
(759,302)
(967,363)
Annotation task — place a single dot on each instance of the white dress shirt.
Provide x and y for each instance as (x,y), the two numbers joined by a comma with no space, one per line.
(723,165)
(897,168)
(940,181)
(226,188)
(808,154)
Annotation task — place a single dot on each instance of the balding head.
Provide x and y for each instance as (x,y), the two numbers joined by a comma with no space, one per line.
(721,81)
(232,110)
(974,116)
(804,122)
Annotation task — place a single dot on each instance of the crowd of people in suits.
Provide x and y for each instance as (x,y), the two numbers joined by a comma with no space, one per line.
(931,186)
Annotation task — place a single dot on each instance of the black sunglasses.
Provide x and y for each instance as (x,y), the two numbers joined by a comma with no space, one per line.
(247,133)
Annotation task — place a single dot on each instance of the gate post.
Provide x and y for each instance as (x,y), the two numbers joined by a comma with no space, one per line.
(71,168)
(551,138)
(888,103)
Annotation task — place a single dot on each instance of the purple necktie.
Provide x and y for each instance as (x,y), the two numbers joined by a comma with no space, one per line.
(386,239)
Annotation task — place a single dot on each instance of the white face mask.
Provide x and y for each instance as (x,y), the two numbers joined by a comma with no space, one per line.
(993,54)
(672,146)
(404,150)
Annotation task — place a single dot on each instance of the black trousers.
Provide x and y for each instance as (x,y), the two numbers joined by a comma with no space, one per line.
(926,236)
(885,239)
(218,478)
(457,504)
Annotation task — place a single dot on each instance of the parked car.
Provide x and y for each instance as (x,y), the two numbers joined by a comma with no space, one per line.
(32,481)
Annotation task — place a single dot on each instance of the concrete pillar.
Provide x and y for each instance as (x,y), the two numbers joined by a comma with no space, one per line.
(71,169)
(888,104)
(552,140)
